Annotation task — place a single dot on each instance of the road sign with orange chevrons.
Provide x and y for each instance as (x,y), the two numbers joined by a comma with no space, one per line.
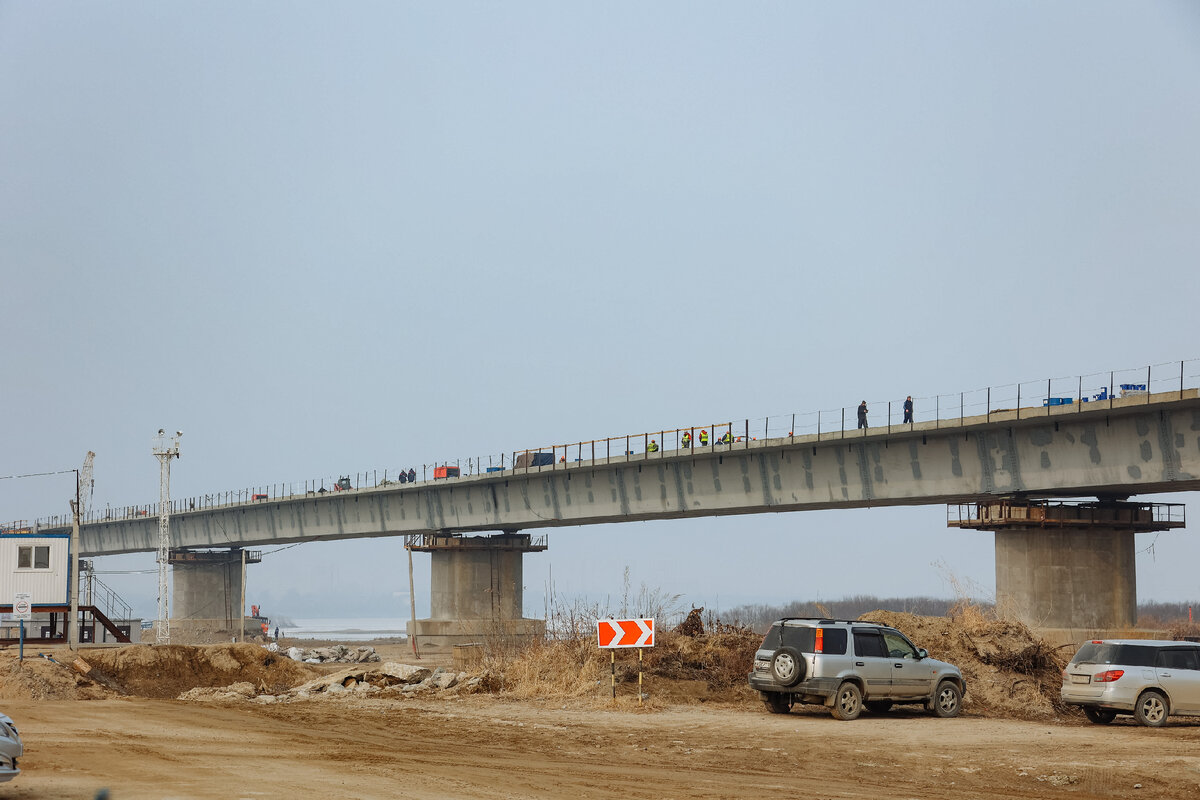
(611,633)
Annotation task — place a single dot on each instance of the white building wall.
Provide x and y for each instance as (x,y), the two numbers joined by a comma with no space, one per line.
(48,586)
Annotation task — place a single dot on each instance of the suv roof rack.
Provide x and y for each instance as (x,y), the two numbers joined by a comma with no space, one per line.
(828,621)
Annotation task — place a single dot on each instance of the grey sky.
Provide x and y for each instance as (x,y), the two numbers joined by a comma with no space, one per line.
(325,238)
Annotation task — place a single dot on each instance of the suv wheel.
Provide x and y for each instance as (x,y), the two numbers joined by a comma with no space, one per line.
(777,702)
(947,701)
(1100,716)
(787,666)
(847,703)
(1151,709)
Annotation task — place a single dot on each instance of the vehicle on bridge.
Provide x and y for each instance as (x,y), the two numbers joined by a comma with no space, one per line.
(847,665)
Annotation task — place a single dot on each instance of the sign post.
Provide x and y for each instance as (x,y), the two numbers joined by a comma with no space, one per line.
(613,634)
(22,610)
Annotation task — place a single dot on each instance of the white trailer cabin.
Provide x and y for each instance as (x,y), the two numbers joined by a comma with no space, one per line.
(37,563)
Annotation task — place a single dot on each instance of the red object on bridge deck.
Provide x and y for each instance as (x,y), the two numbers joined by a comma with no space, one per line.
(445,472)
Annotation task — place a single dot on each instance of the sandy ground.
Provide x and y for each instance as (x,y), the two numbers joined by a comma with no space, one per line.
(483,747)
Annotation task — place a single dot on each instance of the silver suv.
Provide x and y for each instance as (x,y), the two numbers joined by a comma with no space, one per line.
(846,665)
(1147,678)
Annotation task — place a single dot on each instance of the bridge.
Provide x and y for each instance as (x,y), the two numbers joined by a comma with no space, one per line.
(1058,564)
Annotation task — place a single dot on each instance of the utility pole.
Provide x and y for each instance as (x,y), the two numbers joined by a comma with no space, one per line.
(164,450)
(79,506)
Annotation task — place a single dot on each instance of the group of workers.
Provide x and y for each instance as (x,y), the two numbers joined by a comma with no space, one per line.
(685,441)
(407,477)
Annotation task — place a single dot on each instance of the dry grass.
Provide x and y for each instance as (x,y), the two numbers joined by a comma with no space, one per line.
(697,665)
(1184,631)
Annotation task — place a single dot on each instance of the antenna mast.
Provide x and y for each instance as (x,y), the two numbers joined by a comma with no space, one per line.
(164,450)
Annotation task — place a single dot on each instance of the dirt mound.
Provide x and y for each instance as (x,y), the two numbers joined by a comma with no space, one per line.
(1009,671)
(163,671)
(37,678)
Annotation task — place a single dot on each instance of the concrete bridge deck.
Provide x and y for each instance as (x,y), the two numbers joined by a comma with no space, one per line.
(1115,449)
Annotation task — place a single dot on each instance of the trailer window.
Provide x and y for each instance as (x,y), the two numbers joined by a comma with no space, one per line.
(33,557)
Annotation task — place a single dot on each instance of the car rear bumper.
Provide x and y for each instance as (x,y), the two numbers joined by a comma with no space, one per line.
(1114,698)
(822,687)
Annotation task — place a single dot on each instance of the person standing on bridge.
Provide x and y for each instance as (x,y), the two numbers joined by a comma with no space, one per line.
(412,475)
(687,440)
(908,409)
(704,437)
(862,414)
(727,438)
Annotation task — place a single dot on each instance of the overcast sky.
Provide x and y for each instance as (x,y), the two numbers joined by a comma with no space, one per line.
(325,238)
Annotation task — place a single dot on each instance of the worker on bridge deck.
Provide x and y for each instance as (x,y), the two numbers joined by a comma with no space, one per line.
(704,437)
(727,438)
(686,441)
(652,447)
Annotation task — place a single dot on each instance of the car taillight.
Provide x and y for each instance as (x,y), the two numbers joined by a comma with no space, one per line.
(1108,676)
(819,646)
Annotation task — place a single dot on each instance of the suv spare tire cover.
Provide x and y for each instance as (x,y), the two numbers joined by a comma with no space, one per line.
(788,666)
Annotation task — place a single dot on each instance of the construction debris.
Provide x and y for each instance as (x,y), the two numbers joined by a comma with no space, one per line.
(390,679)
(337,653)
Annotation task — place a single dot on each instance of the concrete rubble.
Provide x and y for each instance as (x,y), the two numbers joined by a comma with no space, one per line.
(336,653)
(389,679)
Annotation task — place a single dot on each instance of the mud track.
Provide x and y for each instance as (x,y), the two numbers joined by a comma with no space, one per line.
(482,747)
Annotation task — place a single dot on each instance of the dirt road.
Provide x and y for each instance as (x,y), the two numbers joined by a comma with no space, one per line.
(481,747)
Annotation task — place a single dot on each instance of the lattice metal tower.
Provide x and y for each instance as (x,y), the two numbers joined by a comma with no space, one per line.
(165,449)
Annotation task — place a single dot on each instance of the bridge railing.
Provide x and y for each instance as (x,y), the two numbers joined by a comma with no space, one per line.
(1024,400)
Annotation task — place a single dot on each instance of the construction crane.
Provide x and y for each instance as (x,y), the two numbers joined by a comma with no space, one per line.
(164,450)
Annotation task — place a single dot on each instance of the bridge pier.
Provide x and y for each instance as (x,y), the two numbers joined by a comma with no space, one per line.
(1068,565)
(476,589)
(206,592)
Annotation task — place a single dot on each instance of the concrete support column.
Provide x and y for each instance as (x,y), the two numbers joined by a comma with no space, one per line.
(206,591)
(1067,565)
(1084,579)
(476,583)
(476,590)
